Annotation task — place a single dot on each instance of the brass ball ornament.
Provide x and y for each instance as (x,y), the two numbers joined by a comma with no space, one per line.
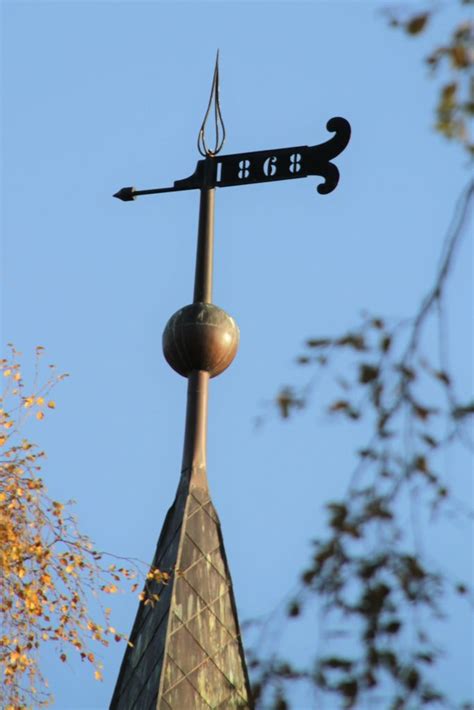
(200,336)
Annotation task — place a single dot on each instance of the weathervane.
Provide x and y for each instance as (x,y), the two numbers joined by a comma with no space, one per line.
(201,340)
(187,651)
(258,166)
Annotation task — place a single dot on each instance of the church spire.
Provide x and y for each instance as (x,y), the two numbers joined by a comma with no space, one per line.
(186,650)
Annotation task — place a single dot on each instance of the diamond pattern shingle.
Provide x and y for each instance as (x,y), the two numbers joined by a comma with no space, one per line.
(187,649)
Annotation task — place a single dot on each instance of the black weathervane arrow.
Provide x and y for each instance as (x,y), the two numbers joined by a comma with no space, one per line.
(263,166)
(258,166)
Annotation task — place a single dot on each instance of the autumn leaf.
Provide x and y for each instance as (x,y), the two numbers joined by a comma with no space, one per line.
(367,373)
(110,588)
(460,57)
(417,24)
(42,584)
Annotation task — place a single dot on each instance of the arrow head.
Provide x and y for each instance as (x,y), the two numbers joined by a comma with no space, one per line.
(125,194)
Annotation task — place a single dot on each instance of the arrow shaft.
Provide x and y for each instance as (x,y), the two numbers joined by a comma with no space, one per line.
(156,191)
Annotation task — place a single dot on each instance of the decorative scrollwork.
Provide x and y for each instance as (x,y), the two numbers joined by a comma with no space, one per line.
(321,155)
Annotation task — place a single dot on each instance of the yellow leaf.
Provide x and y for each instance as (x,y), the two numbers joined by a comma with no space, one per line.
(2,439)
(17,377)
(98,675)
(110,589)
(51,404)
(28,402)
(7,373)
(8,425)
(39,415)
(40,400)
(3,496)
(460,57)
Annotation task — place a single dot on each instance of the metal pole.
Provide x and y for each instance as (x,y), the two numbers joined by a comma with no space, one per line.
(205,248)
(194,454)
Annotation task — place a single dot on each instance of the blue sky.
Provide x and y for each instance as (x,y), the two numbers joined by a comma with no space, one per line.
(101,95)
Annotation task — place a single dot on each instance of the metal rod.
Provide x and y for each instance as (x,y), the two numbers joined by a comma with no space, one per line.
(194,454)
(127,194)
(205,247)
(156,191)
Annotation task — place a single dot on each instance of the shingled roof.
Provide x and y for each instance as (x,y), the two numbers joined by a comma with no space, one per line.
(187,651)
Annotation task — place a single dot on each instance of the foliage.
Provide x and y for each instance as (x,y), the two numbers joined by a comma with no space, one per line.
(454,62)
(370,572)
(48,568)
(371,577)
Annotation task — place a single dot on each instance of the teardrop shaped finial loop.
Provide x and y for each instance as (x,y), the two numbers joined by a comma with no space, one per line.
(219,127)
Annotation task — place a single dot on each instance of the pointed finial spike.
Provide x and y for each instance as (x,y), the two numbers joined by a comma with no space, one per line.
(218,121)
